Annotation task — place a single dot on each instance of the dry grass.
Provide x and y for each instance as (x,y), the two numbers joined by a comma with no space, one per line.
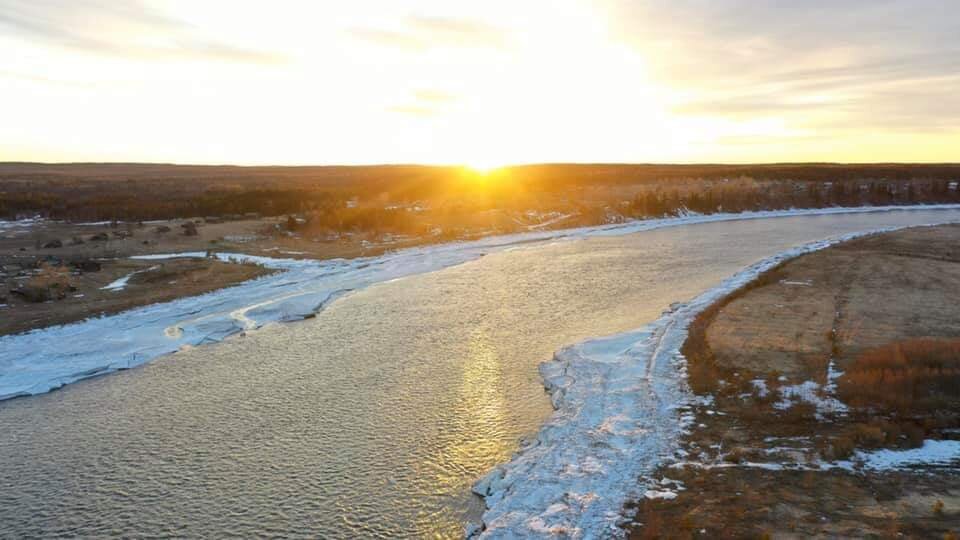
(704,372)
(754,503)
(900,394)
(909,378)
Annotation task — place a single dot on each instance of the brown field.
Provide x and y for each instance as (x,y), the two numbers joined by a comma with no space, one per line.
(881,310)
(841,301)
(754,503)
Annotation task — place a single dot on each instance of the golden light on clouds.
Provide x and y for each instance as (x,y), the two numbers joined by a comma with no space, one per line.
(483,84)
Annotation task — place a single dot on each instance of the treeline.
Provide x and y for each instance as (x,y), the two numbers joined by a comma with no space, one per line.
(126,206)
(740,196)
(366,219)
(374,221)
(565,175)
(597,193)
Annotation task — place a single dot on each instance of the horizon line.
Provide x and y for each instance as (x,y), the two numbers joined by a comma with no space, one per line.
(505,166)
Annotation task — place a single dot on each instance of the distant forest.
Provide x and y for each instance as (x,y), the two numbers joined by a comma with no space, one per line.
(380,197)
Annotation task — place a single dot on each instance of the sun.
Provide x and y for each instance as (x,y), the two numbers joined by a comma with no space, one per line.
(482,167)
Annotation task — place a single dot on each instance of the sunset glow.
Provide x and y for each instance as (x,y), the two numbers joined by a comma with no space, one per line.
(480,84)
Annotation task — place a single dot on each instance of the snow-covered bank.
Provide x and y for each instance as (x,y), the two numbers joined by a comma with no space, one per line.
(932,453)
(41,360)
(622,405)
(121,283)
(19,226)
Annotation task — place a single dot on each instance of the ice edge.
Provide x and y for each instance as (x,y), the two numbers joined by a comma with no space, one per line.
(621,404)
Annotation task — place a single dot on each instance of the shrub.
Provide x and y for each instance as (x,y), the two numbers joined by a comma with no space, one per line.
(50,283)
(915,434)
(909,378)
(870,436)
(842,447)
(652,521)
(799,412)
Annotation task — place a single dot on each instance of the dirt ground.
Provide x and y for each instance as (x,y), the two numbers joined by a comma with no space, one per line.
(870,291)
(157,281)
(756,503)
(260,236)
(91,256)
(759,465)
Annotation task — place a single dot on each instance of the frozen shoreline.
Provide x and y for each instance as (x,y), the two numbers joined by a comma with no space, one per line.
(621,406)
(42,360)
(18,227)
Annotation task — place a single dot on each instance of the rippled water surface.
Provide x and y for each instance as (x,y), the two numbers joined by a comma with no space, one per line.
(372,419)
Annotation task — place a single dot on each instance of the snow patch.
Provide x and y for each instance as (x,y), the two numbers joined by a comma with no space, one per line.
(121,283)
(833,375)
(812,393)
(935,453)
(161,256)
(18,227)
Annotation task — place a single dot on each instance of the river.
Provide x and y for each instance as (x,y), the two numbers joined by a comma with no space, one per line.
(372,419)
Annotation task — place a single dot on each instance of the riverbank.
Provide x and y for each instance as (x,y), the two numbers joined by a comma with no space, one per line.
(55,273)
(829,399)
(74,294)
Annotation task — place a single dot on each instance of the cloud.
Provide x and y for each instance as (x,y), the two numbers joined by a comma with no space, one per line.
(434,96)
(389,38)
(425,103)
(765,140)
(29,77)
(419,33)
(128,28)
(414,110)
(864,63)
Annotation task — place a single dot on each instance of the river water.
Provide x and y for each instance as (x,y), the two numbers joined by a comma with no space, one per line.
(372,419)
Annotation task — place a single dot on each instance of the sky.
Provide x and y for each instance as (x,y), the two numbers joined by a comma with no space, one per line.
(479,83)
